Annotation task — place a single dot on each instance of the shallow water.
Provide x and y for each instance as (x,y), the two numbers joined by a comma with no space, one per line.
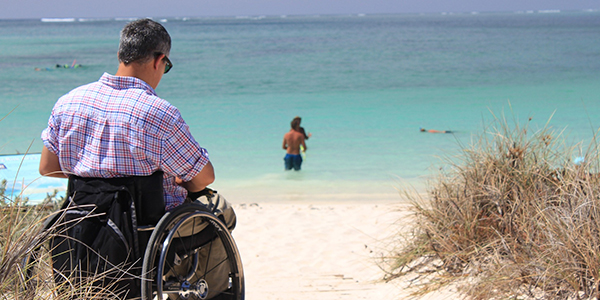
(362,85)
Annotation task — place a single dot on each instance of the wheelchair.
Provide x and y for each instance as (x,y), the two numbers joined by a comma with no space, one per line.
(113,235)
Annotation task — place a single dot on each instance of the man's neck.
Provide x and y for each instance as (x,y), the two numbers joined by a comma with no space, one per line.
(139,71)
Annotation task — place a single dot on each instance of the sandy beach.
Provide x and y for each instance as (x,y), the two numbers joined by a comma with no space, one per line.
(320,251)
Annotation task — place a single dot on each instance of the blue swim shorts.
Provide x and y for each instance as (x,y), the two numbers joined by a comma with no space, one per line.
(292,161)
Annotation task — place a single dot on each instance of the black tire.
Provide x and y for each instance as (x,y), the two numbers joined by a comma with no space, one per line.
(188,263)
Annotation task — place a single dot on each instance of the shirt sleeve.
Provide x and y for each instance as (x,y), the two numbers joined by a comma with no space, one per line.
(182,155)
(49,135)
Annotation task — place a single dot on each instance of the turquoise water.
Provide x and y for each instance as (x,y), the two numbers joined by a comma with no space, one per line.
(362,85)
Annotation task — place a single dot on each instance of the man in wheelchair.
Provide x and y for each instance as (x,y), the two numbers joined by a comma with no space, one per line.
(122,146)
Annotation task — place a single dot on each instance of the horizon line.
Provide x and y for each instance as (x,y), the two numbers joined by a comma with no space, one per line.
(119,18)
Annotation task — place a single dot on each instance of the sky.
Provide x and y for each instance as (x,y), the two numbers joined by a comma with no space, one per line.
(24,9)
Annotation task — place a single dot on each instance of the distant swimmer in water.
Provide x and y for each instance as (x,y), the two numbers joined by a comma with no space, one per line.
(434,131)
(74,65)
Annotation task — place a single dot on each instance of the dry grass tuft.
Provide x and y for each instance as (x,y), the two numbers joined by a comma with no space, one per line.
(514,213)
(20,234)
(24,247)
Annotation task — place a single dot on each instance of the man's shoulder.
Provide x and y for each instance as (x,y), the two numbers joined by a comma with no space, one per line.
(79,92)
(87,86)
(100,88)
(137,100)
(294,134)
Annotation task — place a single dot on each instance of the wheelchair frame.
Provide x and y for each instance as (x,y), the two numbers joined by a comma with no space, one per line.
(159,260)
(179,259)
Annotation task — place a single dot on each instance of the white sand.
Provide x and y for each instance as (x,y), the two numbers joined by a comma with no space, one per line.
(320,251)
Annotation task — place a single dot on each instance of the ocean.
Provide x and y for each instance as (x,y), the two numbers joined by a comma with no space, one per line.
(363,84)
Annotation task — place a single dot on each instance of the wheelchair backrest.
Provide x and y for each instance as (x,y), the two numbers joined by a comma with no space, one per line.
(146,191)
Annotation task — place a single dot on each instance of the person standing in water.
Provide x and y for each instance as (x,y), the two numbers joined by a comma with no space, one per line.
(292,141)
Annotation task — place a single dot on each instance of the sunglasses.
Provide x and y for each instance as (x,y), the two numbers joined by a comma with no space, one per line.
(169,64)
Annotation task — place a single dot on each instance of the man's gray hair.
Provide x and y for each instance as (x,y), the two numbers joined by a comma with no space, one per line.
(141,40)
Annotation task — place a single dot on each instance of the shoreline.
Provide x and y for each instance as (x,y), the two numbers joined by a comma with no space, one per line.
(319,191)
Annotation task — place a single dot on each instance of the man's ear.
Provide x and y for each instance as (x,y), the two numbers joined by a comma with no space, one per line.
(157,61)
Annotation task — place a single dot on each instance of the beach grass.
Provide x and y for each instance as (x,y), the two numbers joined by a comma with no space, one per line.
(20,234)
(515,214)
(25,264)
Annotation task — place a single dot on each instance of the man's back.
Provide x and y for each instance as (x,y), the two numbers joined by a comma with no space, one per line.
(122,121)
(292,141)
(123,130)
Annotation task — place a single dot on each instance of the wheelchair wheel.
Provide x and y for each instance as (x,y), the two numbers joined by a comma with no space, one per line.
(192,255)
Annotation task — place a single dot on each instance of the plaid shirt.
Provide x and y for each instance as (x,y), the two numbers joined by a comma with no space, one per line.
(119,127)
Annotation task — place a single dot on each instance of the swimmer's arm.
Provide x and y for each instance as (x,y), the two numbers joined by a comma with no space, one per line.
(284,146)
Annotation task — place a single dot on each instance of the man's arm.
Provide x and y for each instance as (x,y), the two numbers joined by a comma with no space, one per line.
(50,165)
(201,181)
(284,146)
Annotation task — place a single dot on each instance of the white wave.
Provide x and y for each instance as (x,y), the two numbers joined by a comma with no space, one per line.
(125,19)
(549,11)
(93,20)
(58,19)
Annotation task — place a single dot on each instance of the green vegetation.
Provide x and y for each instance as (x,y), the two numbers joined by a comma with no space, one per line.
(514,215)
